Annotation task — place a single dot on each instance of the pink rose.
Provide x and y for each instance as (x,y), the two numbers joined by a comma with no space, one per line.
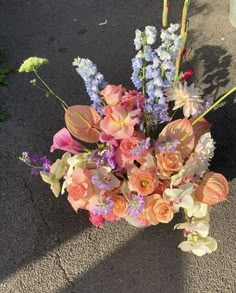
(62,140)
(118,122)
(112,94)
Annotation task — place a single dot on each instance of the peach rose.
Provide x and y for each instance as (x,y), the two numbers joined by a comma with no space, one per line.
(80,189)
(118,122)
(143,181)
(169,163)
(120,208)
(158,210)
(112,94)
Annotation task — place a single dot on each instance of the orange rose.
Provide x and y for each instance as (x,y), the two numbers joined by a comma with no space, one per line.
(158,210)
(169,163)
(120,208)
(143,181)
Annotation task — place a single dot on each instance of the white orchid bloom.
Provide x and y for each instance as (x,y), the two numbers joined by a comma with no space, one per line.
(202,228)
(199,246)
(180,197)
(199,210)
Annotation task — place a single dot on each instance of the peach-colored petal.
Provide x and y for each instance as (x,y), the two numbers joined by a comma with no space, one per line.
(120,208)
(112,94)
(182,130)
(158,211)
(169,163)
(118,122)
(212,189)
(83,122)
(144,182)
(77,204)
(200,128)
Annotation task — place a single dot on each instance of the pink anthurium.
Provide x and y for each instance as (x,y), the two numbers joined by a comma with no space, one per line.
(62,140)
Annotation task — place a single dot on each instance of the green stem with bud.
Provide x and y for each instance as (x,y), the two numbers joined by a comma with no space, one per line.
(50,91)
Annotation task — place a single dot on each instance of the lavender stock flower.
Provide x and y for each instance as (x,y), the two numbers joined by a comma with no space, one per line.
(36,163)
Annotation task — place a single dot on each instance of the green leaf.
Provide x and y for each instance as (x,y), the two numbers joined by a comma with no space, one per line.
(4,116)
(3,76)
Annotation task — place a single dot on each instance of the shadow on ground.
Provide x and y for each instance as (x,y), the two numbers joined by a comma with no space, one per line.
(137,266)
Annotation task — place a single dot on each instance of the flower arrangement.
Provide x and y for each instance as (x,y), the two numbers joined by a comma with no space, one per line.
(147,165)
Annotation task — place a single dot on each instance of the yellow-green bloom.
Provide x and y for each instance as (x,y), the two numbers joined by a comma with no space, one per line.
(32,63)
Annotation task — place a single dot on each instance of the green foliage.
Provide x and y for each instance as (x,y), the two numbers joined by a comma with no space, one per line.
(4,71)
(3,75)
(4,116)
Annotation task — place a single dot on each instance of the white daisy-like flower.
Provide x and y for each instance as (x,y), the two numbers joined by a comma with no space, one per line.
(198,162)
(186,97)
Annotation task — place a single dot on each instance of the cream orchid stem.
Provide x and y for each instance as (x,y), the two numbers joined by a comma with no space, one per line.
(214,105)
(165,13)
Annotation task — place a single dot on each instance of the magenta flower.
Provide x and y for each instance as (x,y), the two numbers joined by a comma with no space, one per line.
(62,140)
(96,220)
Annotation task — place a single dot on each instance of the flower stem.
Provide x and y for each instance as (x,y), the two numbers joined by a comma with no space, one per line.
(183,35)
(50,90)
(165,13)
(214,105)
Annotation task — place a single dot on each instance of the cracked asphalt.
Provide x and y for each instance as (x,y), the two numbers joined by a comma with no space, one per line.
(45,246)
